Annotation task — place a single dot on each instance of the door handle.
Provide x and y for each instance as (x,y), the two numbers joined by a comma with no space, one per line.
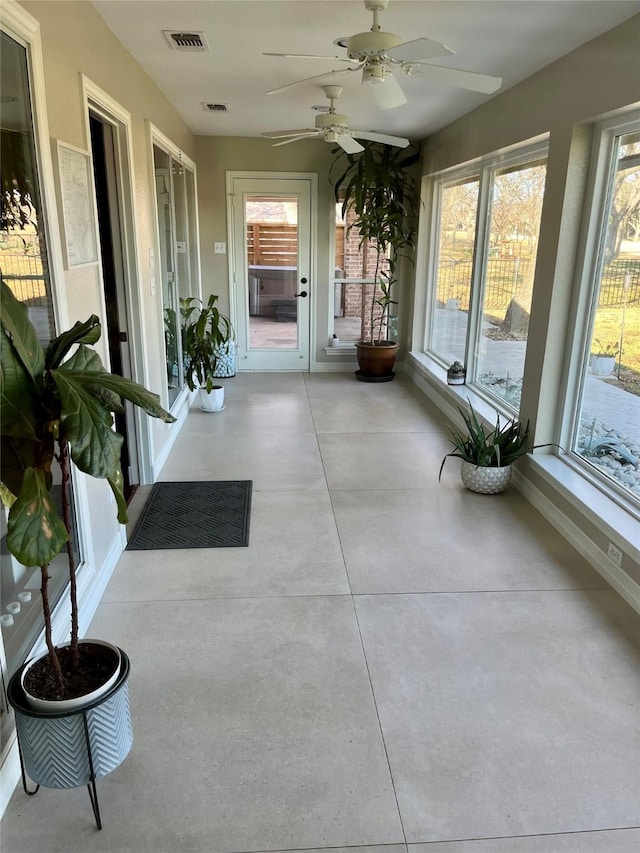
(302,293)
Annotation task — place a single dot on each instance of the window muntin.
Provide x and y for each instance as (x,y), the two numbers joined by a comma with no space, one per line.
(606,425)
(486,237)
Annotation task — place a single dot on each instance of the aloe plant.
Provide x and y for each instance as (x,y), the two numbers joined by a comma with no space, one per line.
(56,407)
(493,447)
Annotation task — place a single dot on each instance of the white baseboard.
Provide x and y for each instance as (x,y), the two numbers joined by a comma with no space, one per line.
(612,573)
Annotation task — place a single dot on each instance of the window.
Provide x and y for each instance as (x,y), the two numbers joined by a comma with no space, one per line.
(486,239)
(175,204)
(606,421)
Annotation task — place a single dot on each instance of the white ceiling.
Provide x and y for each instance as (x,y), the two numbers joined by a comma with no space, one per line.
(507,38)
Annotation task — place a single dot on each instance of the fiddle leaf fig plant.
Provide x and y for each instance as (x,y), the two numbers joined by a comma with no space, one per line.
(56,407)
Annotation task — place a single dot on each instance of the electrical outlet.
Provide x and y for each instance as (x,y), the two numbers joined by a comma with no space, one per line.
(615,554)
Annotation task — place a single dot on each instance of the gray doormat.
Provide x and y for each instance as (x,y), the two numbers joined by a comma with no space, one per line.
(211,514)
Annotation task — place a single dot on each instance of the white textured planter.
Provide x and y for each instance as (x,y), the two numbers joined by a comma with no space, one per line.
(64,706)
(61,750)
(213,401)
(486,481)
(603,365)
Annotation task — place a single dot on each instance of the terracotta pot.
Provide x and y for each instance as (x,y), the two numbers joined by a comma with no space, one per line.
(376,360)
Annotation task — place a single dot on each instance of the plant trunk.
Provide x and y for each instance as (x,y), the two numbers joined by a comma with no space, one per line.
(46,610)
(66,518)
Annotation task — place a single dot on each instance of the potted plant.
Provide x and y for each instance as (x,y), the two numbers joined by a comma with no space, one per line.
(487,453)
(378,187)
(59,407)
(603,360)
(207,341)
(456,374)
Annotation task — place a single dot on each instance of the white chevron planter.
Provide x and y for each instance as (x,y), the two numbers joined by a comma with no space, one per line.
(59,749)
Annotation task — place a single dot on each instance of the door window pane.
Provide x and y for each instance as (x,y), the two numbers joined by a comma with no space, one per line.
(454,268)
(512,243)
(272,271)
(607,433)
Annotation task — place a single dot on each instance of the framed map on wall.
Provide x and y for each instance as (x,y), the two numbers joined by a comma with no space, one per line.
(77,208)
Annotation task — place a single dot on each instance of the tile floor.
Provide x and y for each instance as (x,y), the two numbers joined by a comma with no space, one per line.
(391,666)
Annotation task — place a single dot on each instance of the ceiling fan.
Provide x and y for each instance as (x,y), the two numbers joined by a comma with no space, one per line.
(376,54)
(333,127)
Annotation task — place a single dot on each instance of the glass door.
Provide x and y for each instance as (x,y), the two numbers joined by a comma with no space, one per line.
(272,273)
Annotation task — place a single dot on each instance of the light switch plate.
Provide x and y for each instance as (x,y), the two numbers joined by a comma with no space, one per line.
(220,248)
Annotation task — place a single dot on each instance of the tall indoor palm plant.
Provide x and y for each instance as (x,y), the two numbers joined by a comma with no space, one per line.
(377,186)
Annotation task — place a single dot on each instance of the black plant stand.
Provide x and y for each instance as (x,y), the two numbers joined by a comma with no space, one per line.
(18,702)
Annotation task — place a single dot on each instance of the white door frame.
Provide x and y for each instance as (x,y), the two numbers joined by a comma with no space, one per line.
(236,278)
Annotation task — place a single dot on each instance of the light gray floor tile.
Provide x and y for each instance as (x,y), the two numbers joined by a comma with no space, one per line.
(439,540)
(243,384)
(382,461)
(293,550)
(615,841)
(371,415)
(507,713)
(289,462)
(385,848)
(255,729)
(250,413)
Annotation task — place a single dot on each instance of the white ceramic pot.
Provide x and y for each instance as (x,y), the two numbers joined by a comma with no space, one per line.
(486,481)
(64,706)
(213,401)
(603,365)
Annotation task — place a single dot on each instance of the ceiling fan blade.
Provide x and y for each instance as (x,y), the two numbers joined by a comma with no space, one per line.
(308,79)
(335,58)
(454,77)
(348,144)
(398,141)
(417,50)
(276,134)
(388,94)
(298,138)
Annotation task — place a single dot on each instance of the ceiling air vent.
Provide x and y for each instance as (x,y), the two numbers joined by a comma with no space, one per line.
(215,108)
(196,42)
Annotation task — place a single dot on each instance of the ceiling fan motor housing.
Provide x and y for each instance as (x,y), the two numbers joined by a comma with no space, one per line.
(325,121)
(364,45)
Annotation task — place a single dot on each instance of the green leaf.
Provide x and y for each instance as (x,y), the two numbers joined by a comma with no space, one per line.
(14,319)
(17,455)
(80,333)
(35,532)
(86,424)
(125,388)
(18,397)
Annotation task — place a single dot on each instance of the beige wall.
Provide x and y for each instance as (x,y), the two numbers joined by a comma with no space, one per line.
(218,155)
(75,42)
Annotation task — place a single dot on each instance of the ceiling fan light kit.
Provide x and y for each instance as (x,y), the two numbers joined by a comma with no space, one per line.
(333,127)
(376,52)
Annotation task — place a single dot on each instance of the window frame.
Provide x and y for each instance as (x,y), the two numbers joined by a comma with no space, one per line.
(587,283)
(485,169)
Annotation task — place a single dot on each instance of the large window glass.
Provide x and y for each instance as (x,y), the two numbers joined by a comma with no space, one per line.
(25,268)
(458,209)
(606,431)
(175,204)
(486,238)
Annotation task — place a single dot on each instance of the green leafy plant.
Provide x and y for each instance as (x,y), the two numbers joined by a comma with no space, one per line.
(603,349)
(490,447)
(56,407)
(378,186)
(204,330)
